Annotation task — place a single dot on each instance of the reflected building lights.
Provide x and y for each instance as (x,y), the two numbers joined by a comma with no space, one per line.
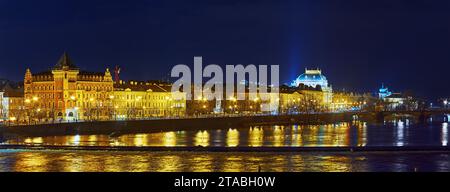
(444,134)
(363,135)
(76,140)
(296,137)
(232,138)
(400,133)
(278,136)
(233,164)
(170,139)
(169,163)
(92,140)
(31,162)
(34,140)
(201,139)
(139,140)
(256,137)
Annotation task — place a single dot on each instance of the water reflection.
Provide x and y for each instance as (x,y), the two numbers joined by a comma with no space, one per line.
(278,136)
(232,138)
(356,133)
(256,137)
(400,133)
(170,139)
(296,136)
(31,162)
(444,134)
(113,161)
(202,139)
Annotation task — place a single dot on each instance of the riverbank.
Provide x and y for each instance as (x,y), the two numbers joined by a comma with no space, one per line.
(160,125)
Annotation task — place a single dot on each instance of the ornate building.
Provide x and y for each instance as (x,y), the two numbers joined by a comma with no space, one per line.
(11,105)
(383,92)
(67,93)
(315,79)
(137,99)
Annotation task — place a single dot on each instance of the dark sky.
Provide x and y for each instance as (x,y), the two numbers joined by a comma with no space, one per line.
(358,44)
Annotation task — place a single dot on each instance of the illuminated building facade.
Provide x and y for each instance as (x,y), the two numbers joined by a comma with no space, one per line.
(11,105)
(396,101)
(67,93)
(344,101)
(315,79)
(291,102)
(383,92)
(137,99)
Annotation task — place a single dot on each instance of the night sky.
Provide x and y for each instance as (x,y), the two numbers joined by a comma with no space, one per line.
(358,44)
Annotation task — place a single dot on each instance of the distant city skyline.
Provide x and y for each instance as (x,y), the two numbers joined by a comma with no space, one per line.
(358,45)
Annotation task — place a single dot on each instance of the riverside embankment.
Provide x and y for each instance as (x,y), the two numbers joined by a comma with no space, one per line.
(159,125)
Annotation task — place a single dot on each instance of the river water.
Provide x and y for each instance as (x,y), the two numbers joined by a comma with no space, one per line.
(402,133)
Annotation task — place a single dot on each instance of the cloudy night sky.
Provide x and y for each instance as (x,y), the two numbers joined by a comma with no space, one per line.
(357,44)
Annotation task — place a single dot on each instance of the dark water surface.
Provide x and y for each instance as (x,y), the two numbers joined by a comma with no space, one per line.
(340,134)
(112,161)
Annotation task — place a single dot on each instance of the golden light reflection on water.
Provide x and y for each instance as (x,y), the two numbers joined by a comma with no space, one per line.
(114,161)
(232,138)
(31,162)
(170,139)
(333,163)
(362,134)
(169,163)
(202,163)
(201,138)
(296,136)
(140,140)
(256,137)
(72,164)
(339,134)
(278,136)
(233,163)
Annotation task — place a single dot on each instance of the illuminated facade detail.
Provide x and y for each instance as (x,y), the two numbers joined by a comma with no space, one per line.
(315,79)
(145,99)
(344,101)
(311,78)
(66,93)
(11,103)
(383,92)
(396,101)
(315,100)
(292,102)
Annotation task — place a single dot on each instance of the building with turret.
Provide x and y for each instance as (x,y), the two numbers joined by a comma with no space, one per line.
(315,79)
(383,92)
(67,93)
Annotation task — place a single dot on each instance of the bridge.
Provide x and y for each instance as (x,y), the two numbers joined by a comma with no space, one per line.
(420,115)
